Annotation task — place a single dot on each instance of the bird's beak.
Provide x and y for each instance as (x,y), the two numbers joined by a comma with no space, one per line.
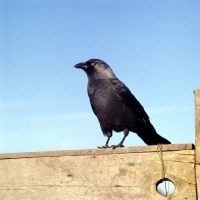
(82,65)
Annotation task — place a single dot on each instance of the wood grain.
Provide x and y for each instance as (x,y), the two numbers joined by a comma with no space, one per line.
(93,176)
(197,138)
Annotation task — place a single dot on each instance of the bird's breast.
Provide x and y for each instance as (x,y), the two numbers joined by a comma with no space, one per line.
(97,86)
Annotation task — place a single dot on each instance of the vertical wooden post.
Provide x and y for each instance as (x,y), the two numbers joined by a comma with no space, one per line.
(197,139)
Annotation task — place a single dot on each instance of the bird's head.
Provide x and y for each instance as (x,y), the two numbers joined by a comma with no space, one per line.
(96,69)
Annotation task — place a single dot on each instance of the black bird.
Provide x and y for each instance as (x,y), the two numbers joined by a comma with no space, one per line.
(115,106)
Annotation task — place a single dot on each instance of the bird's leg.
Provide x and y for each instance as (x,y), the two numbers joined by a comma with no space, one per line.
(109,135)
(126,132)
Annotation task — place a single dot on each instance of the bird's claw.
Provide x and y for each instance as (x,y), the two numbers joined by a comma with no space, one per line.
(103,147)
(115,146)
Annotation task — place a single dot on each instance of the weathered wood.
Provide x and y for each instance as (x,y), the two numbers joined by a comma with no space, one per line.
(137,149)
(197,138)
(97,174)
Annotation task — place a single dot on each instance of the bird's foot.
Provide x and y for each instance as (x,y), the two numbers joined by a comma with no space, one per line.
(115,146)
(103,147)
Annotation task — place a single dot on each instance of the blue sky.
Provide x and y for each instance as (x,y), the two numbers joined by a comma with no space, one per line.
(152,46)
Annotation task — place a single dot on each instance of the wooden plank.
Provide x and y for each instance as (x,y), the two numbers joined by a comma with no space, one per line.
(95,176)
(197,138)
(137,149)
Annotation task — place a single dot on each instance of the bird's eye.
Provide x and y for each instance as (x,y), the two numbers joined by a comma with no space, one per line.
(92,64)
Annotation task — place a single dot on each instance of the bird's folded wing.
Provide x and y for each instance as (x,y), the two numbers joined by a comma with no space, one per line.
(125,95)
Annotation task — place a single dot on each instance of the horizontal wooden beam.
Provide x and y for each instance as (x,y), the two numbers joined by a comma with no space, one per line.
(100,174)
(136,149)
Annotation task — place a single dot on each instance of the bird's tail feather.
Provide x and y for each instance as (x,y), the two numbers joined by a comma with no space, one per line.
(148,134)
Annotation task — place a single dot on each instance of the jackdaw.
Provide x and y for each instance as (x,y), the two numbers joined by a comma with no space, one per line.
(115,106)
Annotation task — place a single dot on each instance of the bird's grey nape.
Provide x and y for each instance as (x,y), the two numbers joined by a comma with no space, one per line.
(104,72)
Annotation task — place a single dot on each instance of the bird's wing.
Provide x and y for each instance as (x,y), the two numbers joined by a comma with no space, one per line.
(125,95)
